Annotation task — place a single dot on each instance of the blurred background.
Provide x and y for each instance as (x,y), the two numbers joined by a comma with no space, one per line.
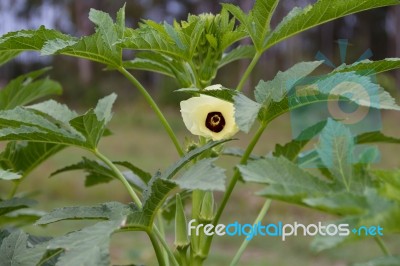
(138,135)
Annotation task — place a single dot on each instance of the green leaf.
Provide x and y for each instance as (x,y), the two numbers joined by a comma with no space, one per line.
(104,211)
(364,138)
(7,175)
(246,112)
(240,52)
(376,136)
(88,47)
(338,87)
(20,217)
(381,261)
(13,204)
(291,149)
(286,181)
(283,82)
(257,22)
(149,61)
(32,125)
(161,185)
(88,246)
(202,175)
(322,11)
(14,43)
(368,67)
(143,175)
(11,246)
(151,39)
(21,249)
(106,28)
(336,148)
(55,110)
(340,203)
(173,169)
(26,89)
(262,13)
(223,94)
(391,182)
(238,152)
(23,157)
(99,173)
(92,124)
(377,211)
(99,47)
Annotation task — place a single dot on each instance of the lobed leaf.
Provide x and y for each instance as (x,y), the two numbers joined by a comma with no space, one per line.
(13,204)
(238,53)
(286,181)
(104,211)
(368,67)
(26,89)
(283,82)
(336,150)
(257,22)
(246,112)
(162,184)
(23,156)
(88,246)
(291,149)
(32,125)
(202,175)
(14,43)
(322,11)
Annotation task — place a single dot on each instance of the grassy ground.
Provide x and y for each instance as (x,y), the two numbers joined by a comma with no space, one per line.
(139,138)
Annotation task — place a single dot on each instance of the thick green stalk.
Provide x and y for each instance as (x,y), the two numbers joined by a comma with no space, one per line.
(166,247)
(154,231)
(206,248)
(248,71)
(162,234)
(246,242)
(236,176)
(157,248)
(154,106)
(15,188)
(197,197)
(382,245)
(118,174)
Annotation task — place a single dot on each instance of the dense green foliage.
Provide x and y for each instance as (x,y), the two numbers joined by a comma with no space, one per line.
(192,52)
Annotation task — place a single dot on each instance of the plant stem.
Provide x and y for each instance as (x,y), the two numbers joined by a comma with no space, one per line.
(118,174)
(157,248)
(166,247)
(249,69)
(162,233)
(382,245)
(232,183)
(154,106)
(236,176)
(245,242)
(15,188)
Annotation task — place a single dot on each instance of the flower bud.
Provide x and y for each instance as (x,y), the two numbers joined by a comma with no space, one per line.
(207,207)
(181,235)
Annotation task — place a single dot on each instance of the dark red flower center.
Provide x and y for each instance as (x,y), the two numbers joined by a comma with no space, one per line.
(215,122)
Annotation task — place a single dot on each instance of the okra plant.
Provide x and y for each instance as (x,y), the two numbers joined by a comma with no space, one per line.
(192,52)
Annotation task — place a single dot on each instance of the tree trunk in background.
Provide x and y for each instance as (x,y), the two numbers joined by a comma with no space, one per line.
(397,41)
